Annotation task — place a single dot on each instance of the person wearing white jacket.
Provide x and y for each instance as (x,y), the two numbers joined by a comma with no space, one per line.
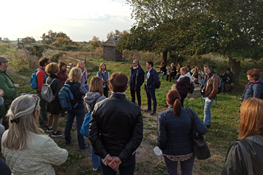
(27,150)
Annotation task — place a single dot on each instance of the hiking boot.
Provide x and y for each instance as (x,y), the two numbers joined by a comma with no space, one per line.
(148,110)
(71,141)
(85,147)
(57,134)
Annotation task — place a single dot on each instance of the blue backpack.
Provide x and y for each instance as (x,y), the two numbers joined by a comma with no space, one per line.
(85,125)
(33,80)
(66,97)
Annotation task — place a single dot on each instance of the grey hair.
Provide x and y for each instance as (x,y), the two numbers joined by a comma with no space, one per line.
(22,110)
(23,106)
(137,61)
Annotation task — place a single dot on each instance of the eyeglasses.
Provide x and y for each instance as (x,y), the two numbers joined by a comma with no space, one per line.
(35,97)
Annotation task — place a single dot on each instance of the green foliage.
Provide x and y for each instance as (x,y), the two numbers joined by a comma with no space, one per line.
(56,57)
(28,40)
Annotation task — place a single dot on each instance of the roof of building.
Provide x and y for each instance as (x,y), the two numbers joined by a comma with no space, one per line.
(111,42)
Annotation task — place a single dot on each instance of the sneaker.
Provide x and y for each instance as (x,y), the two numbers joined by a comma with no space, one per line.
(71,141)
(57,134)
(153,113)
(85,147)
(147,110)
(95,169)
(49,129)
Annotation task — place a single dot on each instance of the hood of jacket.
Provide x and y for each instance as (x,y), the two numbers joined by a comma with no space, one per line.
(91,96)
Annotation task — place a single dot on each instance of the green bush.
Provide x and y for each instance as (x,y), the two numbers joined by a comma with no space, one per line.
(55,57)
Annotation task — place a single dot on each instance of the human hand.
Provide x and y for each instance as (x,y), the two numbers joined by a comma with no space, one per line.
(207,100)
(16,85)
(103,81)
(108,159)
(2,93)
(232,84)
(90,73)
(228,78)
(115,163)
(84,71)
(107,80)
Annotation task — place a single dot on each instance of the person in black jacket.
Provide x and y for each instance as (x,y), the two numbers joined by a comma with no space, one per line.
(54,107)
(136,80)
(245,156)
(228,78)
(151,81)
(171,72)
(116,129)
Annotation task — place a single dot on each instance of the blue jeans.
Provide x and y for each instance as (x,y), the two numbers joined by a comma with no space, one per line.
(80,114)
(186,166)
(207,111)
(4,169)
(151,96)
(87,87)
(126,168)
(95,159)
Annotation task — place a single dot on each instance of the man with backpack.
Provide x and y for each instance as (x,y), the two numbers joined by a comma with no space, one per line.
(209,90)
(41,78)
(152,80)
(9,90)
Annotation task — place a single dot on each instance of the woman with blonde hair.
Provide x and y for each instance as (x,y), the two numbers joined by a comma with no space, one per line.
(245,156)
(174,138)
(27,150)
(54,107)
(84,74)
(105,76)
(94,96)
(78,91)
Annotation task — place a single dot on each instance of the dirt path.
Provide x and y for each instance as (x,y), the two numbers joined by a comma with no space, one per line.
(12,72)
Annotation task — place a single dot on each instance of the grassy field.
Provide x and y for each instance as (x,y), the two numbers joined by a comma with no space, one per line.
(223,129)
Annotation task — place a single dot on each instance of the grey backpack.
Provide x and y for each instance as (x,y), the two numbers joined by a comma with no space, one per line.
(46,92)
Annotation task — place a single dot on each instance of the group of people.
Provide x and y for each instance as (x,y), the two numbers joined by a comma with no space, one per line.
(116,126)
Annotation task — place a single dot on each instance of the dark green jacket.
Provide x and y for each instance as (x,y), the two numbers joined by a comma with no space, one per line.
(9,89)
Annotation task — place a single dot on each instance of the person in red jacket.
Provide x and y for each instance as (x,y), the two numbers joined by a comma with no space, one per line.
(62,75)
(41,77)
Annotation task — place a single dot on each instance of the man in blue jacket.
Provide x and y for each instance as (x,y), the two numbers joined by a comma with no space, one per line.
(151,81)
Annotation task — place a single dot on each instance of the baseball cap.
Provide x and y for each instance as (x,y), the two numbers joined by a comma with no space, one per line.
(3,59)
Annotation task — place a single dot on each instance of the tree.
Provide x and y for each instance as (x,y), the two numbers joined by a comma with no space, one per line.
(232,28)
(57,39)
(28,40)
(95,42)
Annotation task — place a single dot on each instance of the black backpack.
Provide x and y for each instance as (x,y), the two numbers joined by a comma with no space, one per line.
(220,83)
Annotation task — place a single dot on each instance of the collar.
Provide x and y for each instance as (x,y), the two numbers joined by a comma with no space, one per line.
(136,67)
(121,93)
(150,69)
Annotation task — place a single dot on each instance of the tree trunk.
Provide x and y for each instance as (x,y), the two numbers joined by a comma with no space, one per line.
(235,68)
(165,57)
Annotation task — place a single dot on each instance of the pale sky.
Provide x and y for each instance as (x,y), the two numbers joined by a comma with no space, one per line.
(79,19)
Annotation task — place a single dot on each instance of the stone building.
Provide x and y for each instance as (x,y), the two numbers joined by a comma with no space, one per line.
(110,52)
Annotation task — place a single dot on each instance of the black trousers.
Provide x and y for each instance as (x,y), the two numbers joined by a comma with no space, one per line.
(106,89)
(138,94)
(170,75)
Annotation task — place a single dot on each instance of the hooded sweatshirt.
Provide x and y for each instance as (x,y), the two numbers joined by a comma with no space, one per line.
(91,96)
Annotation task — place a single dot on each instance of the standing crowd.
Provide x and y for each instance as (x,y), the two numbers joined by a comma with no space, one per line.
(116,124)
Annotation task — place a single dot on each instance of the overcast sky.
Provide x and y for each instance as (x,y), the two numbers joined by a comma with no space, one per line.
(79,19)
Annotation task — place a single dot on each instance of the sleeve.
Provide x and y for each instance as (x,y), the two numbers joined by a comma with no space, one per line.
(162,136)
(40,79)
(97,74)
(53,154)
(94,135)
(257,90)
(82,89)
(58,86)
(215,88)
(135,140)
(108,76)
(234,163)
(199,126)
(155,79)
(9,91)
(88,75)
(142,73)
(1,100)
